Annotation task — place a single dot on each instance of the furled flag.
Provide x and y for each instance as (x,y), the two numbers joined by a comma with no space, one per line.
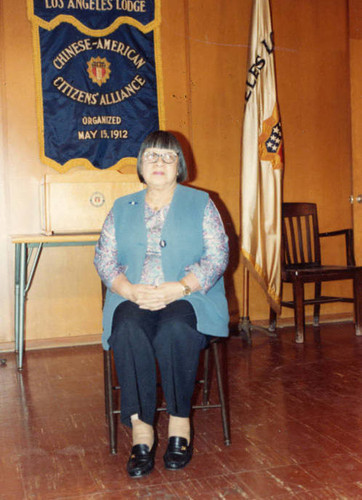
(262,161)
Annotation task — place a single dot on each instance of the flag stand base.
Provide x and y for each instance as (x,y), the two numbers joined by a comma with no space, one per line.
(245,328)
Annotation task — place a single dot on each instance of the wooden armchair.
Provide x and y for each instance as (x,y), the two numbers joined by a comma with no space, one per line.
(301,263)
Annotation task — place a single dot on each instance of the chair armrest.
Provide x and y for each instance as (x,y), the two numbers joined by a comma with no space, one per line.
(349,243)
(336,233)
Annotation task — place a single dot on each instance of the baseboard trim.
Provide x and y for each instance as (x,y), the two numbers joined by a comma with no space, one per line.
(289,321)
(53,343)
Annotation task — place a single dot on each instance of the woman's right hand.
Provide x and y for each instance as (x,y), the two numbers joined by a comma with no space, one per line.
(145,296)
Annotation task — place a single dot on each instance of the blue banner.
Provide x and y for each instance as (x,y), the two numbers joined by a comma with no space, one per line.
(98,80)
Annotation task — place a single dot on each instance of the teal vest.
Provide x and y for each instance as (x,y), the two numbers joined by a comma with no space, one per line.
(182,245)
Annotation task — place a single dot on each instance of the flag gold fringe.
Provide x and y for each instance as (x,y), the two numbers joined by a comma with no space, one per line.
(258,274)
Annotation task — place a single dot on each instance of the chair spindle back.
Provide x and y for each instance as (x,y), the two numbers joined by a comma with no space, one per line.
(301,245)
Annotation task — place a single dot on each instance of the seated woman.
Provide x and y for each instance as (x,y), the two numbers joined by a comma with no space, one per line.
(162,254)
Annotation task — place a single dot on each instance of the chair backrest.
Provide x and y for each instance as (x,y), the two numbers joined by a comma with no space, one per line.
(301,247)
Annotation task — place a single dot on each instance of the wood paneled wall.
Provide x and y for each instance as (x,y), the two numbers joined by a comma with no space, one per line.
(204,48)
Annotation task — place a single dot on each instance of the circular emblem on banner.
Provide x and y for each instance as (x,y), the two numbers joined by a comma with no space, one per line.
(99,70)
(97,199)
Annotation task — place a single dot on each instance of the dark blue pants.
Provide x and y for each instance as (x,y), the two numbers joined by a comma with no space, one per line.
(139,338)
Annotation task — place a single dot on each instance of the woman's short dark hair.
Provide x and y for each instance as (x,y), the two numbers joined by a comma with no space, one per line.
(163,140)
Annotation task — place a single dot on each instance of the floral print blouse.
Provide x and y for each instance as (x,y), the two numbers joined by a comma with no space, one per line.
(208,270)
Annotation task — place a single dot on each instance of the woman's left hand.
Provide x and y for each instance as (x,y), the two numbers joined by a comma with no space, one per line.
(170,291)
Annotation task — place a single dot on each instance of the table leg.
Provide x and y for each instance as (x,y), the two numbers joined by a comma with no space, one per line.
(21,304)
(17,298)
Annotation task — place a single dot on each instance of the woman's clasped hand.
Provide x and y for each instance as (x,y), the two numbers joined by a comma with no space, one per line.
(151,297)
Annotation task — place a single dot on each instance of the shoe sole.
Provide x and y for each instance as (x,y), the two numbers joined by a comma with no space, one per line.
(139,476)
(170,467)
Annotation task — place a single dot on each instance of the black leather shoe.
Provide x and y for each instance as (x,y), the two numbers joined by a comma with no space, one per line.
(141,460)
(178,453)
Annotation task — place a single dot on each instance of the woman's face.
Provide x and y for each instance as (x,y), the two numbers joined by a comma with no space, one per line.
(159,168)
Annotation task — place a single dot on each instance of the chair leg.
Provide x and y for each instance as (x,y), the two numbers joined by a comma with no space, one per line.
(298,292)
(273,315)
(225,424)
(205,391)
(357,293)
(108,384)
(317,307)
(272,320)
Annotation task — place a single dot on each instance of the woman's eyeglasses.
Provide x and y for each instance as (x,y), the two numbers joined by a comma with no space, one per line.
(167,157)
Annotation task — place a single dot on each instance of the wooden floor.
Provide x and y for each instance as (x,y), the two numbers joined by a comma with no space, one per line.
(296,426)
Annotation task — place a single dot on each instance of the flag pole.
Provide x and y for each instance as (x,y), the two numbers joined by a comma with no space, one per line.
(261,170)
(245,326)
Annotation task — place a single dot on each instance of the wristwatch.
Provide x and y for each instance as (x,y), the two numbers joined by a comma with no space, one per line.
(187,289)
